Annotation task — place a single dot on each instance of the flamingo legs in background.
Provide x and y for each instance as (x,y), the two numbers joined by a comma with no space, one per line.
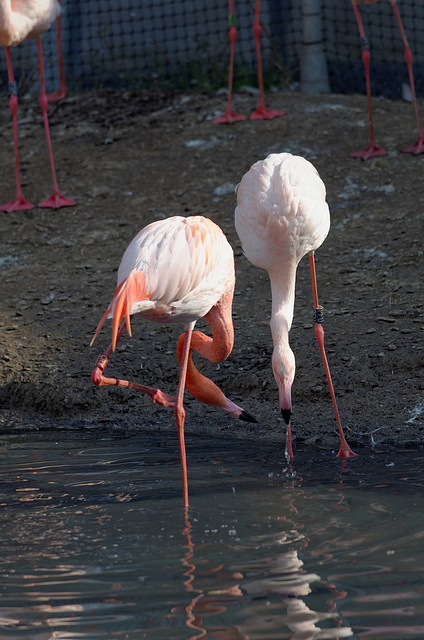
(373,149)
(178,270)
(281,216)
(230,116)
(61,93)
(21,27)
(262,112)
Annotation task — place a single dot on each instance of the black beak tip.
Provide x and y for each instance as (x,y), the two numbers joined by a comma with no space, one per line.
(247,417)
(286,413)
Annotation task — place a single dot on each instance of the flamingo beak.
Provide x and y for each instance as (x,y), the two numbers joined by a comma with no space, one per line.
(284,394)
(286,413)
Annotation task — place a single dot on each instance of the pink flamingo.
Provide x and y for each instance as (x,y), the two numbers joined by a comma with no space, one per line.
(178,270)
(21,19)
(373,149)
(262,112)
(281,216)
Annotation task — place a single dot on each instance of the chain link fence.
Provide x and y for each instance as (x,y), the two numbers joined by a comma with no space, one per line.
(184,44)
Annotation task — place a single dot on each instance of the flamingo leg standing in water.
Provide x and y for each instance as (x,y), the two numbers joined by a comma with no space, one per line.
(344,451)
(178,270)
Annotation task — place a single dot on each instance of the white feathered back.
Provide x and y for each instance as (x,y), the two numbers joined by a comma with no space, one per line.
(281,211)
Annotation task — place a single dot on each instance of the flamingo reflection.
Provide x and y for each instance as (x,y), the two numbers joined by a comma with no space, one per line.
(281,579)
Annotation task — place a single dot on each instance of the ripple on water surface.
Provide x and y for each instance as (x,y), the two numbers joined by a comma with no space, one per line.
(96,544)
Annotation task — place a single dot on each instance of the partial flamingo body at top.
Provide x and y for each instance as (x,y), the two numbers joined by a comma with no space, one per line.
(282,215)
(178,270)
(22,19)
(19,20)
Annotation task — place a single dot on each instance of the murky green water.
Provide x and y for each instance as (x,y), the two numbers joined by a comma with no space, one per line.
(95,543)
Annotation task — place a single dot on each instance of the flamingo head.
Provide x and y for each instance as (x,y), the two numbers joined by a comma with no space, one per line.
(284,366)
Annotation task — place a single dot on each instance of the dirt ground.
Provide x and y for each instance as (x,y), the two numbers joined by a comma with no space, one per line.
(128,159)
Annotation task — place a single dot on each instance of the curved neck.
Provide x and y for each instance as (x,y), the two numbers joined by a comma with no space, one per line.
(215,349)
(219,318)
(283,292)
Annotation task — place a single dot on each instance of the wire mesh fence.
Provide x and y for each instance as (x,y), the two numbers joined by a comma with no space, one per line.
(138,44)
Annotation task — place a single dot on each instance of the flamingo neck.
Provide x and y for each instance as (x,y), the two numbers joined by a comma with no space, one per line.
(219,318)
(283,292)
(215,349)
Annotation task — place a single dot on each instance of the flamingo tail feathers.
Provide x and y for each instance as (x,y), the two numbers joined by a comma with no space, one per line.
(130,291)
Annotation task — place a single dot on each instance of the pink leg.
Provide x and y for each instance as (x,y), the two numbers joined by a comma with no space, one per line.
(179,407)
(345,451)
(59,95)
(373,149)
(19,203)
(261,113)
(56,200)
(230,116)
(100,380)
(418,146)
(156,395)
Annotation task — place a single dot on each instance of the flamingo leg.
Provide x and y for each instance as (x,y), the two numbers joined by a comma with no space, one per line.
(345,451)
(61,93)
(230,116)
(262,112)
(289,449)
(19,203)
(179,410)
(100,380)
(56,200)
(418,146)
(373,149)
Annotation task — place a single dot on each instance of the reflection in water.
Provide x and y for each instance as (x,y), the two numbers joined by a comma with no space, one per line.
(279,576)
(95,545)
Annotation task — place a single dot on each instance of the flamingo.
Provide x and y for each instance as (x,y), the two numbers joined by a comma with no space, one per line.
(282,215)
(261,112)
(177,270)
(21,19)
(373,149)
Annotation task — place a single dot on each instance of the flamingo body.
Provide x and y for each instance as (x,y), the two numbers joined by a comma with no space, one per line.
(282,215)
(281,211)
(178,270)
(23,19)
(174,270)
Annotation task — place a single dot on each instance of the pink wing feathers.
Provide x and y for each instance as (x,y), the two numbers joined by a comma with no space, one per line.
(174,270)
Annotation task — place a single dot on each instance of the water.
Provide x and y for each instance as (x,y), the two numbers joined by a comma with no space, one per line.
(95,543)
